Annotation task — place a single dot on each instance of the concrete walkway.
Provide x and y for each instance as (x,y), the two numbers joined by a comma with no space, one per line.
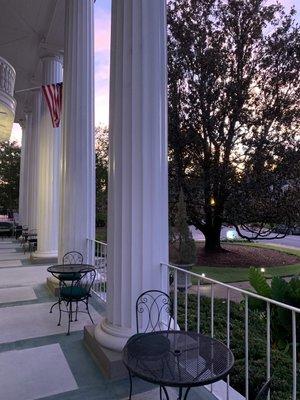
(37,359)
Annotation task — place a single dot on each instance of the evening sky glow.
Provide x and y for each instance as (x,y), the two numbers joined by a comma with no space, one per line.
(102,56)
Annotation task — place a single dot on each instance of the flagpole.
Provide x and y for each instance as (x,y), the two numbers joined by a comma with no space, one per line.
(27,90)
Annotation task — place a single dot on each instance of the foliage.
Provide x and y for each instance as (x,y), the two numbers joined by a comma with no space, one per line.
(10,158)
(186,247)
(281,291)
(234,107)
(281,361)
(259,282)
(101,134)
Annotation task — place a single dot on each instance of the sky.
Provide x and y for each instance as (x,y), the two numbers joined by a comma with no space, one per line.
(102,53)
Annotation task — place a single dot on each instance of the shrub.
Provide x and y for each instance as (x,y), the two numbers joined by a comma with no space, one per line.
(281,361)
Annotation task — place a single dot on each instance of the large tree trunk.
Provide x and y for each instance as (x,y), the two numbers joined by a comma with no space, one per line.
(213,239)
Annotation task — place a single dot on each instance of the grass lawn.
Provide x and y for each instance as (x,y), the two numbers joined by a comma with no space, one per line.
(237,274)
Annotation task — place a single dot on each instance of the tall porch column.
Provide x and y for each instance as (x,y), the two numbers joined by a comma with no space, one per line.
(33,149)
(26,125)
(77,198)
(23,183)
(138,171)
(48,168)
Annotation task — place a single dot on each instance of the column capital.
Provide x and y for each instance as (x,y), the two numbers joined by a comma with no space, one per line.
(52,57)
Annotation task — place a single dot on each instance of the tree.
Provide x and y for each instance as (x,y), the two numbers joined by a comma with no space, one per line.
(234,99)
(10,155)
(101,134)
(186,249)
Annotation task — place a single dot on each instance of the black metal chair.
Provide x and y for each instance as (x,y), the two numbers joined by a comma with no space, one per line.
(30,240)
(154,306)
(264,391)
(153,313)
(72,257)
(75,291)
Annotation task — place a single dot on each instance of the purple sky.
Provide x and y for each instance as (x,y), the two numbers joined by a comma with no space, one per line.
(102,44)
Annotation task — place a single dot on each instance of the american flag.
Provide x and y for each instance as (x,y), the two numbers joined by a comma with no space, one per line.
(53,97)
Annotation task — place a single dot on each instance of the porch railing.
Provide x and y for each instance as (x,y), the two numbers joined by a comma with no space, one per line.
(100,257)
(7,77)
(206,287)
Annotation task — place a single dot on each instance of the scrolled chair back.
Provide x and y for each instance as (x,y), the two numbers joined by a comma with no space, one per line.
(72,257)
(153,311)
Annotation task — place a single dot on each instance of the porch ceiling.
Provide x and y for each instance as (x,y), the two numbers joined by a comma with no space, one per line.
(30,29)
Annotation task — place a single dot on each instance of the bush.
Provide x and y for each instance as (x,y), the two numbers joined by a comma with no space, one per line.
(281,361)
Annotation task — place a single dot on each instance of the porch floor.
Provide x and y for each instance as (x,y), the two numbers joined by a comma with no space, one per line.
(37,359)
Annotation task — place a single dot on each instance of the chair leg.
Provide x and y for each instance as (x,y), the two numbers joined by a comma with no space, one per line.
(59,306)
(130,385)
(166,393)
(53,305)
(186,393)
(180,393)
(76,311)
(88,311)
(71,311)
(70,317)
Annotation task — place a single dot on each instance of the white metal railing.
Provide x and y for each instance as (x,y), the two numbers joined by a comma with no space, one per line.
(7,77)
(99,251)
(202,282)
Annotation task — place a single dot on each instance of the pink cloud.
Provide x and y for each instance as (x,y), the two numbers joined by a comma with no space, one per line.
(102,32)
(102,53)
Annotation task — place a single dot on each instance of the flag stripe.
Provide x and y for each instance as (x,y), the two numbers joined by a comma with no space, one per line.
(53,97)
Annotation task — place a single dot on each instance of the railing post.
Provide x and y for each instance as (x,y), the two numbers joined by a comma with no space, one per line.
(186,303)
(294,329)
(268,344)
(246,347)
(198,306)
(228,339)
(175,299)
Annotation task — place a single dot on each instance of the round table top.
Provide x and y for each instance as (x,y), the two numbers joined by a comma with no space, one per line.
(70,268)
(177,358)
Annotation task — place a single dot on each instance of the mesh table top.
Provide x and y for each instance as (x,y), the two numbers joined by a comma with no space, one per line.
(177,358)
(70,268)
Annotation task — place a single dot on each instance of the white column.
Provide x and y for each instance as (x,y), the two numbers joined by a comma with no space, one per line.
(33,149)
(77,198)
(138,172)
(22,196)
(48,168)
(25,182)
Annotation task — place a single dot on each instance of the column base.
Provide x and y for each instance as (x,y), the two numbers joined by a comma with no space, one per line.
(53,285)
(109,362)
(112,337)
(44,254)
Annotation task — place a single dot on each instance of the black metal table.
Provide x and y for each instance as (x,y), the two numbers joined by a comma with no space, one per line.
(177,359)
(70,268)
